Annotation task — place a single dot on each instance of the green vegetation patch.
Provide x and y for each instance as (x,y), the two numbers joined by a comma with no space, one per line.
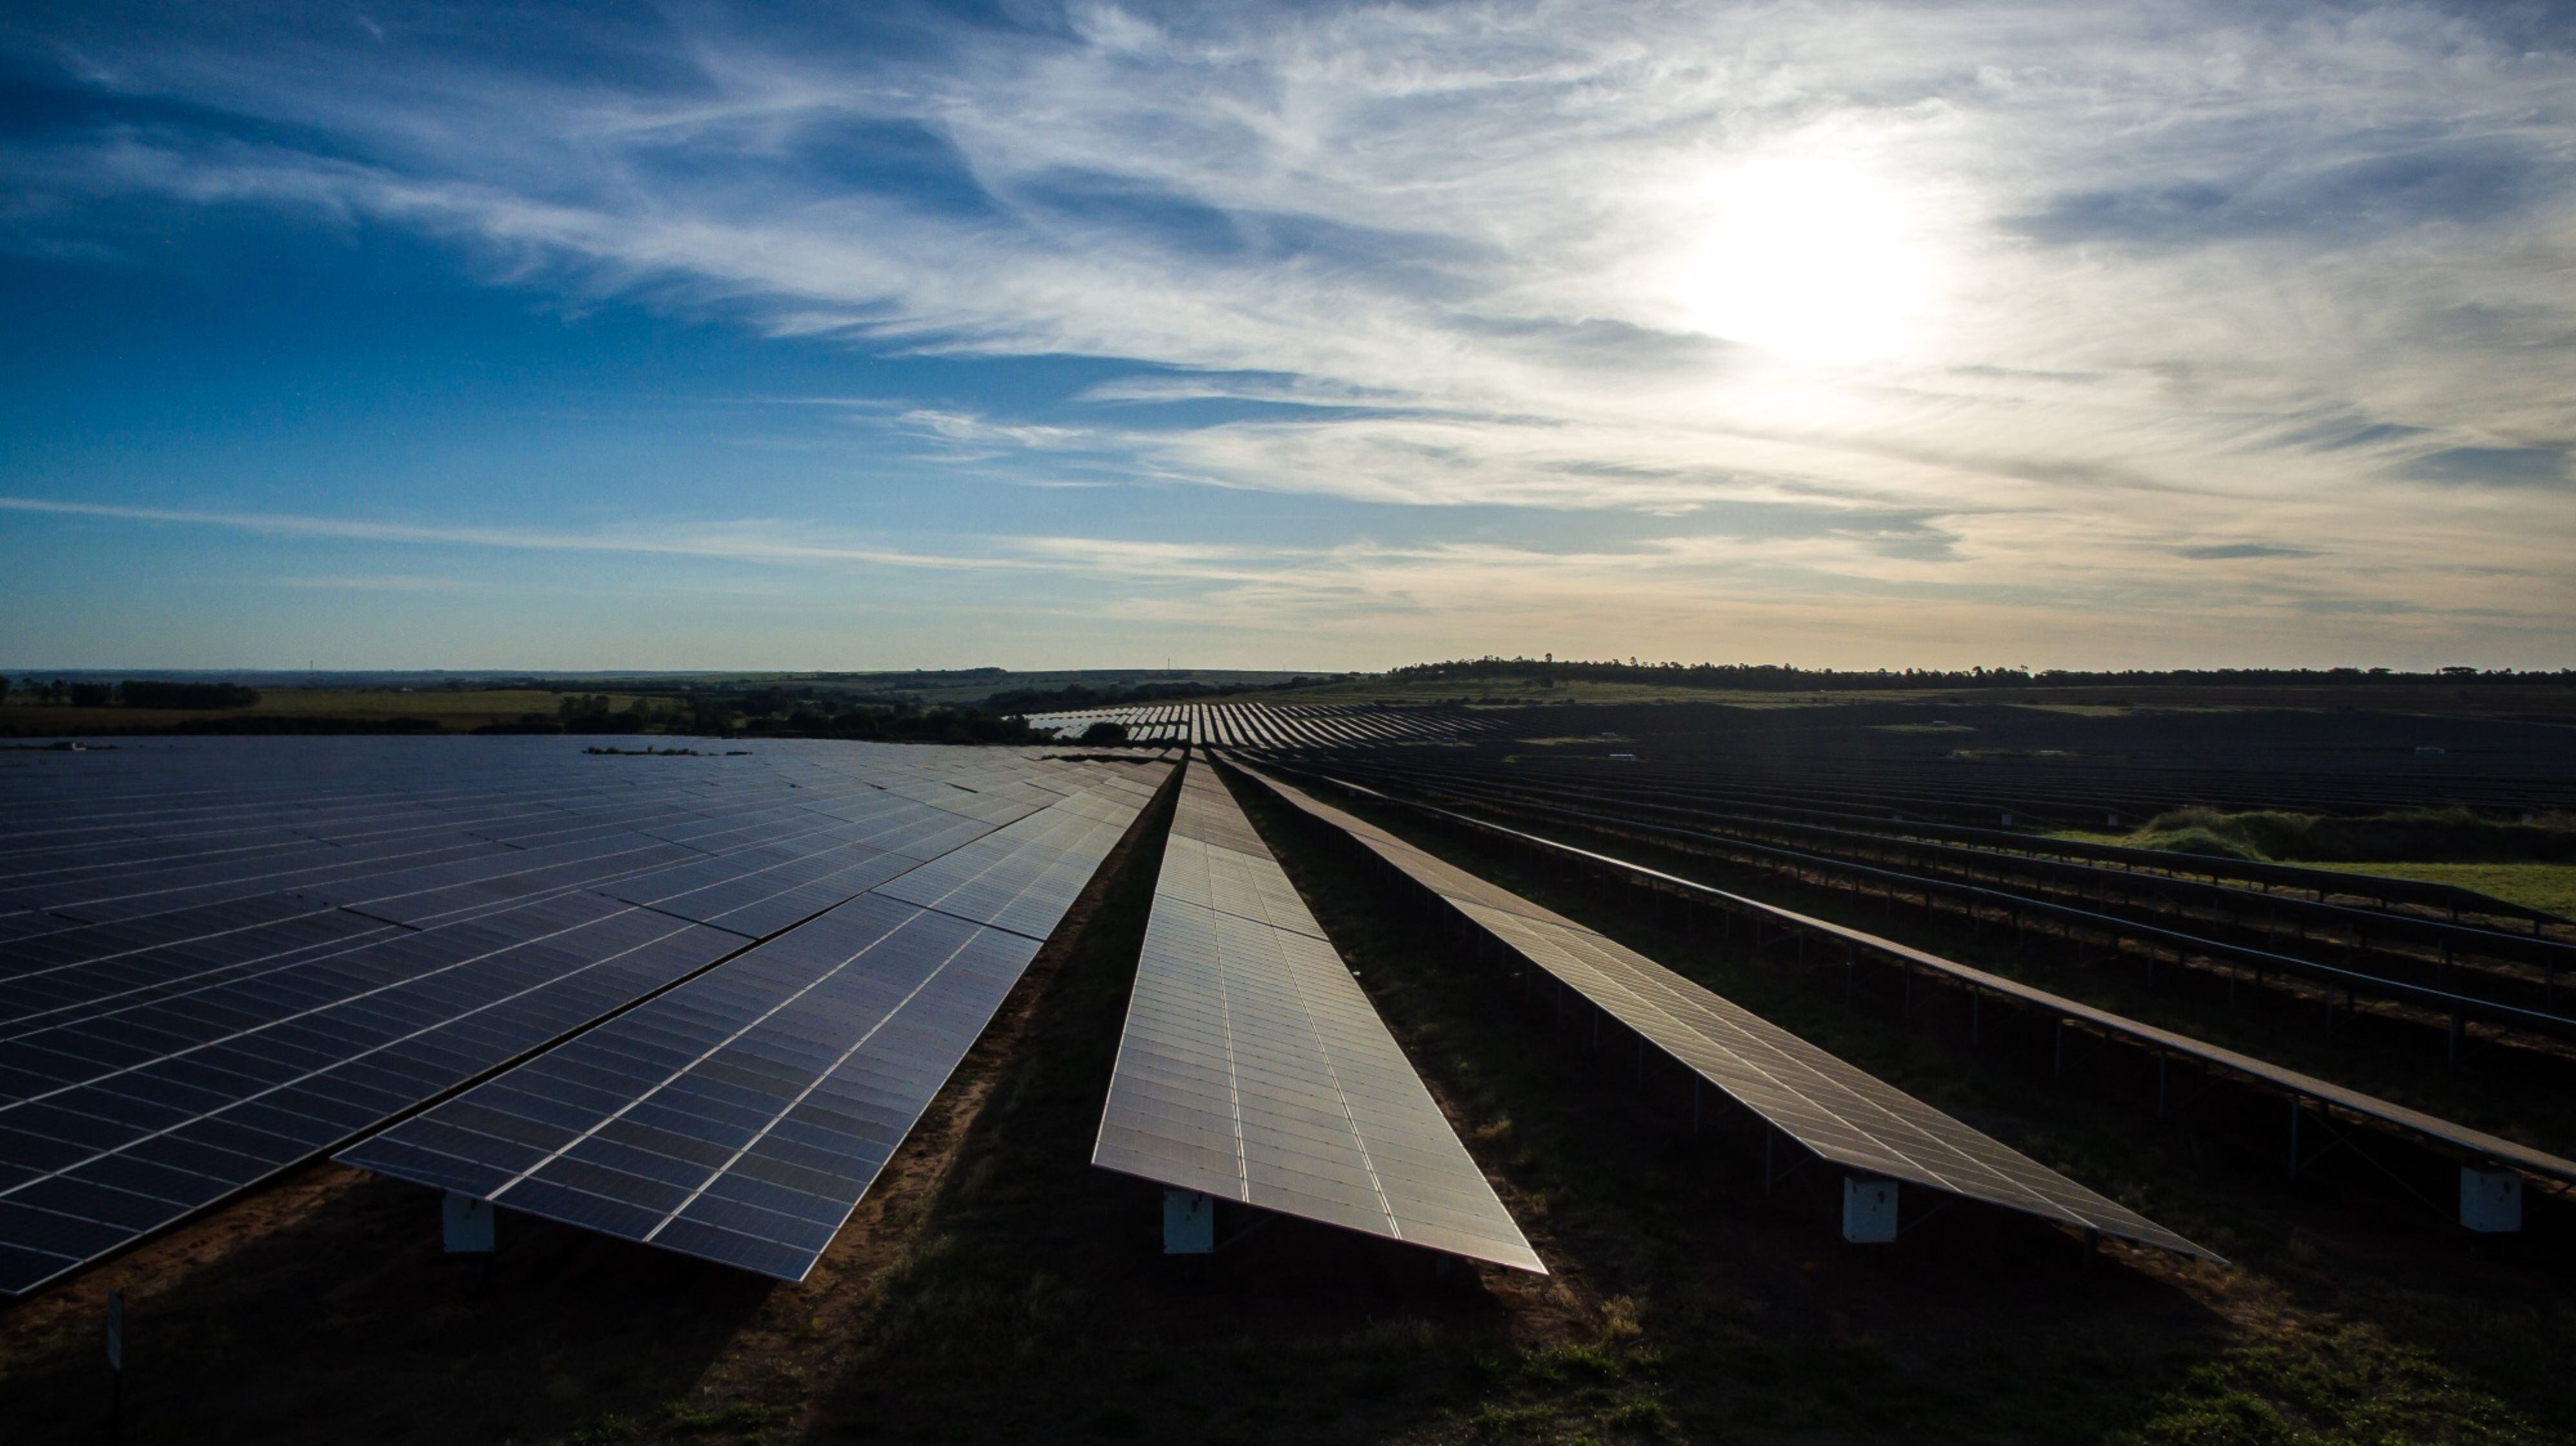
(2550,888)
(2447,835)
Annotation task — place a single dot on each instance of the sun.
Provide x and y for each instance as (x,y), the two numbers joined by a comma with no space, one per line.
(1815,260)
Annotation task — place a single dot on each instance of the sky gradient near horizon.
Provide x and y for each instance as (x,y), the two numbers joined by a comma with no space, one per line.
(1308,336)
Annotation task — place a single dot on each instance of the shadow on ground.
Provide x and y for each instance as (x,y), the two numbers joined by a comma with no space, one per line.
(347,1322)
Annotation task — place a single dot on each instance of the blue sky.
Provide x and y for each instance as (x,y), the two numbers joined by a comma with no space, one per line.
(1301,336)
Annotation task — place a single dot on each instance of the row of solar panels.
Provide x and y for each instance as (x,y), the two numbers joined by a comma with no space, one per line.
(707,1000)
(220,958)
(1266,725)
(2480,1152)
(1254,1069)
(1837,1112)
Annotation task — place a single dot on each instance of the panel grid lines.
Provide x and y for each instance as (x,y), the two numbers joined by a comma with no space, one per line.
(192,1000)
(1252,1066)
(741,1116)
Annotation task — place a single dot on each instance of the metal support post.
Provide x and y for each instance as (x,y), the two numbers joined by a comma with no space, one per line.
(1189,1223)
(465,1224)
(2490,1201)
(2294,1137)
(1869,1210)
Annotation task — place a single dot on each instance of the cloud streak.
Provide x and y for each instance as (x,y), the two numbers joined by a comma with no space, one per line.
(752,542)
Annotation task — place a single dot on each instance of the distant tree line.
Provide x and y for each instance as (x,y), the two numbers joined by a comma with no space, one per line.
(1778,677)
(771,710)
(288,723)
(707,710)
(134,693)
(1076,696)
(780,711)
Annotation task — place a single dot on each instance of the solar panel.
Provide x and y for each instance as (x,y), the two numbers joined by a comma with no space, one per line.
(2487,1149)
(1254,1069)
(119,1124)
(85,969)
(741,1116)
(164,1044)
(1838,1112)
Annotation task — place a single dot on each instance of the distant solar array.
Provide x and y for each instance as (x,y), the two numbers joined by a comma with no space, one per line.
(1254,1069)
(1275,725)
(219,958)
(1837,1112)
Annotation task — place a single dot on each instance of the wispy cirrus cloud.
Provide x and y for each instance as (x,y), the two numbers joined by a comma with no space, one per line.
(374,582)
(744,541)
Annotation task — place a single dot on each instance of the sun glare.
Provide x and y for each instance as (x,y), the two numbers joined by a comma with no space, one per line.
(1816,261)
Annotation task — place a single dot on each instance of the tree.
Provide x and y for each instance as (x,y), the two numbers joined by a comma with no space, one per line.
(143,693)
(1105,731)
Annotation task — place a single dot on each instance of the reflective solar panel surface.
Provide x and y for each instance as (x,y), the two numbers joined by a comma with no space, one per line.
(1254,1069)
(741,1116)
(1843,1114)
(222,956)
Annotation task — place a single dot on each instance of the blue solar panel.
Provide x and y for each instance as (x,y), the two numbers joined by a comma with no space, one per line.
(220,957)
(741,1116)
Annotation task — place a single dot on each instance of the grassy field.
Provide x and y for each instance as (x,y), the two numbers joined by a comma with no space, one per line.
(2519,863)
(453,711)
(995,1287)
(387,696)
(2547,886)
(2538,886)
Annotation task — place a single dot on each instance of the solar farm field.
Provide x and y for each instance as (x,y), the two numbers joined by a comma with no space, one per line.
(1293,1072)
